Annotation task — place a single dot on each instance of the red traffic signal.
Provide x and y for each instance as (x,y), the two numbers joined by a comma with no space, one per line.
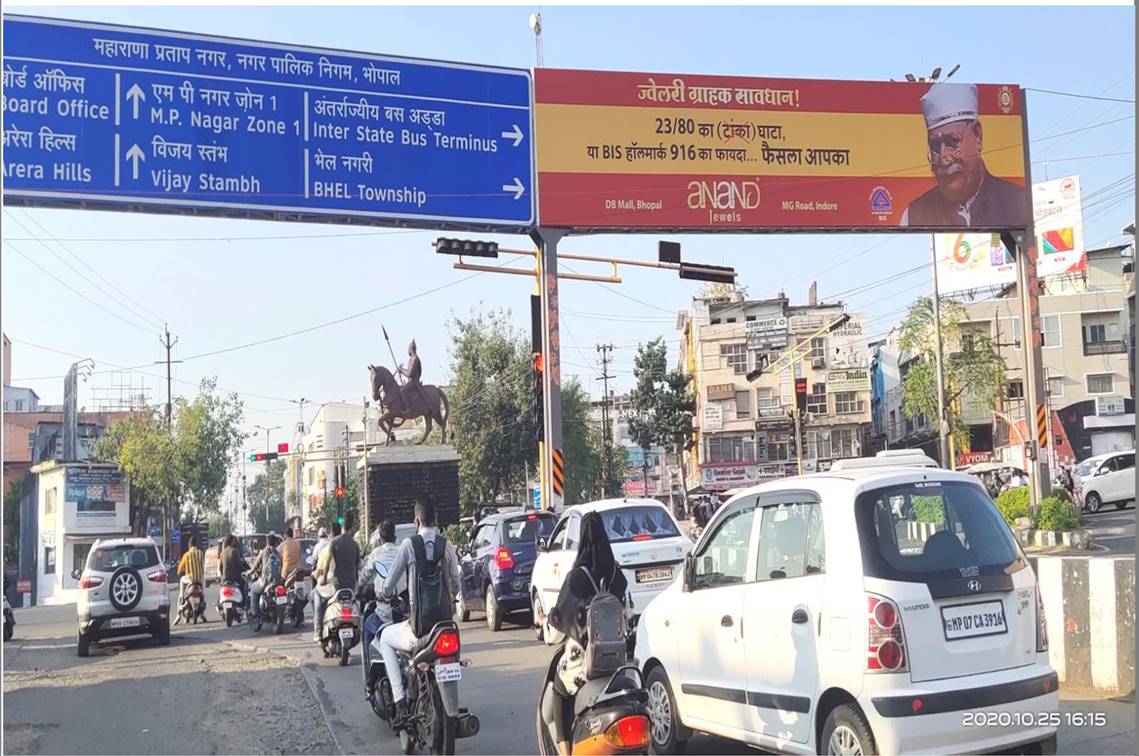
(282,448)
(538,363)
(262,456)
(340,492)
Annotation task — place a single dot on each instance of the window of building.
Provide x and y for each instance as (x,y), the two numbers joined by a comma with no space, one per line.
(766,398)
(743,405)
(843,443)
(31,440)
(817,399)
(847,402)
(735,356)
(1096,333)
(818,445)
(1055,385)
(730,320)
(1050,330)
(19,405)
(49,560)
(1009,332)
(818,348)
(1101,383)
(723,448)
(81,550)
(715,321)
(1014,389)
(778,451)
(749,318)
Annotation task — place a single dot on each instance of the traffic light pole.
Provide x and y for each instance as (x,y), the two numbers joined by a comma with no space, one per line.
(553,483)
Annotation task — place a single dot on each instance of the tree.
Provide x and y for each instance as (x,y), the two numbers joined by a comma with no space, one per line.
(12,522)
(663,404)
(973,366)
(266,497)
(582,446)
(181,468)
(492,417)
(326,515)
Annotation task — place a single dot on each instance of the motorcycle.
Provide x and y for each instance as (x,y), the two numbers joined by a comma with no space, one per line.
(340,626)
(298,597)
(431,674)
(193,604)
(272,610)
(611,714)
(9,620)
(230,600)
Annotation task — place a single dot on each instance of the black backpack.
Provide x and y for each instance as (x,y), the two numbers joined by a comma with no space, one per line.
(429,601)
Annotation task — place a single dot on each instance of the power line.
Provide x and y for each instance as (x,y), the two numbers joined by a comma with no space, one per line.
(1078,95)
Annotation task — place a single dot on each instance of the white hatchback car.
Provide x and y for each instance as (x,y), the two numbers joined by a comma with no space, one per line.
(646,539)
(123,591)
(876,610)
(1107,479)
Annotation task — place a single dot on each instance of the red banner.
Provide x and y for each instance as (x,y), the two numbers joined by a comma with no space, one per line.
(667,151)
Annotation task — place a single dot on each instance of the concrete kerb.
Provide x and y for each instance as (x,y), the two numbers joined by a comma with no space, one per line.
(324,714)
(1089,609)
(1074,539)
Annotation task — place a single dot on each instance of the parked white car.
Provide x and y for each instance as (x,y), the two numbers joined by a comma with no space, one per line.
(1106,479)
(837,613)
(123,591)
(646,539)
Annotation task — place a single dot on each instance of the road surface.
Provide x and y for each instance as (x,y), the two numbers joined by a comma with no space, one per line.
(1113,529)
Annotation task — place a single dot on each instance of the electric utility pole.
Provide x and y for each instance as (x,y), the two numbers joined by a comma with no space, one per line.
(168,344)
(605,349)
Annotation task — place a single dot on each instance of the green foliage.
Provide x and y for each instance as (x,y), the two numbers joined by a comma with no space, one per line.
(928,509)
(266,498)
(974,369)
(492,416)
(662,403)
(326,514)
(458,535)
(1014,503)
(1057,513)
(1061,493)
(583,446)
(12,523)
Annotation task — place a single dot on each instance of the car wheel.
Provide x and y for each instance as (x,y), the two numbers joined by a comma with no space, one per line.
(1121,504)
(84,646)
(125,589)
(493,615)
(847,733)
(463,611)
(1093,501)
(664,726)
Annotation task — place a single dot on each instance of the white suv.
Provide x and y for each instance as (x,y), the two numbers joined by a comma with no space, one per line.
(123,591)
(875,610)
(1107,479)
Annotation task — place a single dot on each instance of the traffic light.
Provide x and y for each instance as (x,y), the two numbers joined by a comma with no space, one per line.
(801,395)
(262,456)
(703,272)
(466,248)
(538,406)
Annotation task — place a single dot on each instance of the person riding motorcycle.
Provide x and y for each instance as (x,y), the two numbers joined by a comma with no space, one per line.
(192,568)
(370,587)
(232,567)
(262,570)
(400,637)
(337,568)
(595,555)
(290,551)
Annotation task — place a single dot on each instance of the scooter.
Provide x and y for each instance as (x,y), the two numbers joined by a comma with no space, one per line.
(340,626)
(297,594)
(230,601)
(611,714)
(9,620)
(193,604)
(272,609)
(431,674)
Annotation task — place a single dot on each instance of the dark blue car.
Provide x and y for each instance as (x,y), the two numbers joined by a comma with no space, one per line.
(497,564)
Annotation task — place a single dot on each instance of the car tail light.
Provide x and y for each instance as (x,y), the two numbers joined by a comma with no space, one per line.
(280,590)
(503,558)
(1041,625)
(643,537)
(90,581)
(629,732)
(885,644)
(447,644)
(158,576)
(531,517)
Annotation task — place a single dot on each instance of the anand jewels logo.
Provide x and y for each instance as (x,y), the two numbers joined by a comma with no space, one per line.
(723,199)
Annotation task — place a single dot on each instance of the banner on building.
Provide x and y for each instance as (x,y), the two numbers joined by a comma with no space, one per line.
(621,150)
(854,379)
(972,261)
(96,492)
(847,345)
(721,391)
(766,332)
(713,418)
(721,476)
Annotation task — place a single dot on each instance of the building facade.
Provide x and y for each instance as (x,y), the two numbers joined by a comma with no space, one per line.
(745,428)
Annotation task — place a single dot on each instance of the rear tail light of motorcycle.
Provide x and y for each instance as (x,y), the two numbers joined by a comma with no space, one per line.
(447,644)
(629,732)
(227,592)
(347,613)
(280,590)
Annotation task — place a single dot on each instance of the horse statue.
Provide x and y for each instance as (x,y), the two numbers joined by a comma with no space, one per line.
(399,403)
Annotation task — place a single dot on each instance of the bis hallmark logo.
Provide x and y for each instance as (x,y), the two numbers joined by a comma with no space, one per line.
(881,202)
(1004,99)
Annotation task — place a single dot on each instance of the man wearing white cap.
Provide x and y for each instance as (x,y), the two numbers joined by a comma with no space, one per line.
(966,195)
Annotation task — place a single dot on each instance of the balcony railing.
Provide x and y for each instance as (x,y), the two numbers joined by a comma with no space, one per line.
(1105,347)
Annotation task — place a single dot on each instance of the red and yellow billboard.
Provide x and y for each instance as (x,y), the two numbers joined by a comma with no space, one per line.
(641,151)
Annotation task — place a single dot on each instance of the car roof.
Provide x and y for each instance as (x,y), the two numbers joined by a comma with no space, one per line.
(862,478)
(607,505)
(1107,455)
(116,542)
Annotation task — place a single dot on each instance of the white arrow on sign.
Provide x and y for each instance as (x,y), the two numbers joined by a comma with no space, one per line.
(516,187)
(515,134)
(134,94)
(135,154)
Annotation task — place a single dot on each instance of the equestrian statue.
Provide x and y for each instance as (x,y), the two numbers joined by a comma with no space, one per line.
(409,400)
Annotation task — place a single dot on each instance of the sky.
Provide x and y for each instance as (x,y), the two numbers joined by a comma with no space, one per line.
(226,283)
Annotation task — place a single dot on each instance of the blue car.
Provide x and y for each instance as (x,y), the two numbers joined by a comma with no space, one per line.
(497,563)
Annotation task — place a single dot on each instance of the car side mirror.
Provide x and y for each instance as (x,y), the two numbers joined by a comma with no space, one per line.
(75,574)
(689,571)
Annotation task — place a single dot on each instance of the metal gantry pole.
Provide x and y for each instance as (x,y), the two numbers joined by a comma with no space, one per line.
(553,482)
(939,357)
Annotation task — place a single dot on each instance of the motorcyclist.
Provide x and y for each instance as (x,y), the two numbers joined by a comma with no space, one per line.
(232,567)
(192,568)
(336,569)
(262,571)
(371,586)
(595,554)
(400,637)
(290,551)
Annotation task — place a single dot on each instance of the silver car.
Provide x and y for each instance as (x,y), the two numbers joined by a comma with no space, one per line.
(123,592)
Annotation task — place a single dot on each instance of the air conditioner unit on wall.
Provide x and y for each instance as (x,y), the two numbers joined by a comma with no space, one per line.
(819,362)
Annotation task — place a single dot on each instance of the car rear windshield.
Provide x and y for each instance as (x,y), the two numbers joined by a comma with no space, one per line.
(932,531)
(111,558)
(638,523)
(525,530)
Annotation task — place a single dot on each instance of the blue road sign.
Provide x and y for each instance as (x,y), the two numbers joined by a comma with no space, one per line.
(536,498)
(175,536)
(101,115)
